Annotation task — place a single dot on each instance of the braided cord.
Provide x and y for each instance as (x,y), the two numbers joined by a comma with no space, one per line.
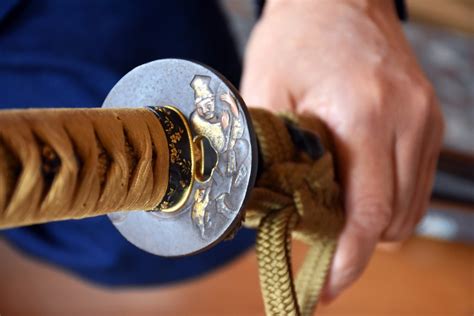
(293,197)
(273,249)
(274,259)
(64,164)
(312,275)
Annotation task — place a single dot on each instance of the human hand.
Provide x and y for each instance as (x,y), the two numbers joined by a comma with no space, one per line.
(348,63)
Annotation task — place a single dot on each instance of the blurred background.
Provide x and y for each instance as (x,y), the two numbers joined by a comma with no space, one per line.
(430,274)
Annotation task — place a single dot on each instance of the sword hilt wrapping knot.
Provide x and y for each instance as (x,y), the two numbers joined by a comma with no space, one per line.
(297,196)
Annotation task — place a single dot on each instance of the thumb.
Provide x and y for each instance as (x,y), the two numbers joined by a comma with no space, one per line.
(259,88)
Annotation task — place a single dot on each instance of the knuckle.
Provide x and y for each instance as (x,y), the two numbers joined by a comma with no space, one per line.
(422,98)
(402,227)
(400,231)
(424,114)
(394,234)
(370,117)
(371,213)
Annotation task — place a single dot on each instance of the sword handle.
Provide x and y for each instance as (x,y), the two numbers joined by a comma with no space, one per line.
(58,164)
(62,164)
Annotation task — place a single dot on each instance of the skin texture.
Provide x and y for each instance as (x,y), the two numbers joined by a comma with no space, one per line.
(348,63)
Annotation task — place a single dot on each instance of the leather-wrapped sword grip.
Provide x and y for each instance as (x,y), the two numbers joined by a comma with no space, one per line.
(60,164)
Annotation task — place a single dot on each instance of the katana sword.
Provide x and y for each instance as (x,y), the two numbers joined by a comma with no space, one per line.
(199,158)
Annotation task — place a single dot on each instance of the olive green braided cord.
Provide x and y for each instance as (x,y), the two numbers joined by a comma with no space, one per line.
(295,196)
(312,275)
(274,259)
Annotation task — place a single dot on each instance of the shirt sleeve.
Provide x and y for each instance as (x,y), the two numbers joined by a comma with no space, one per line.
(400,6)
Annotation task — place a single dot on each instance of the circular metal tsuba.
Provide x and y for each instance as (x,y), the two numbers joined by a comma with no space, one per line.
(215,113)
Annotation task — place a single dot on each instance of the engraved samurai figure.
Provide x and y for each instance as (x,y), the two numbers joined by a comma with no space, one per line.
(221,122)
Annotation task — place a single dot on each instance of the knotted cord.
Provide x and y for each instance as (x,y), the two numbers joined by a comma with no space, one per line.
(295,196)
